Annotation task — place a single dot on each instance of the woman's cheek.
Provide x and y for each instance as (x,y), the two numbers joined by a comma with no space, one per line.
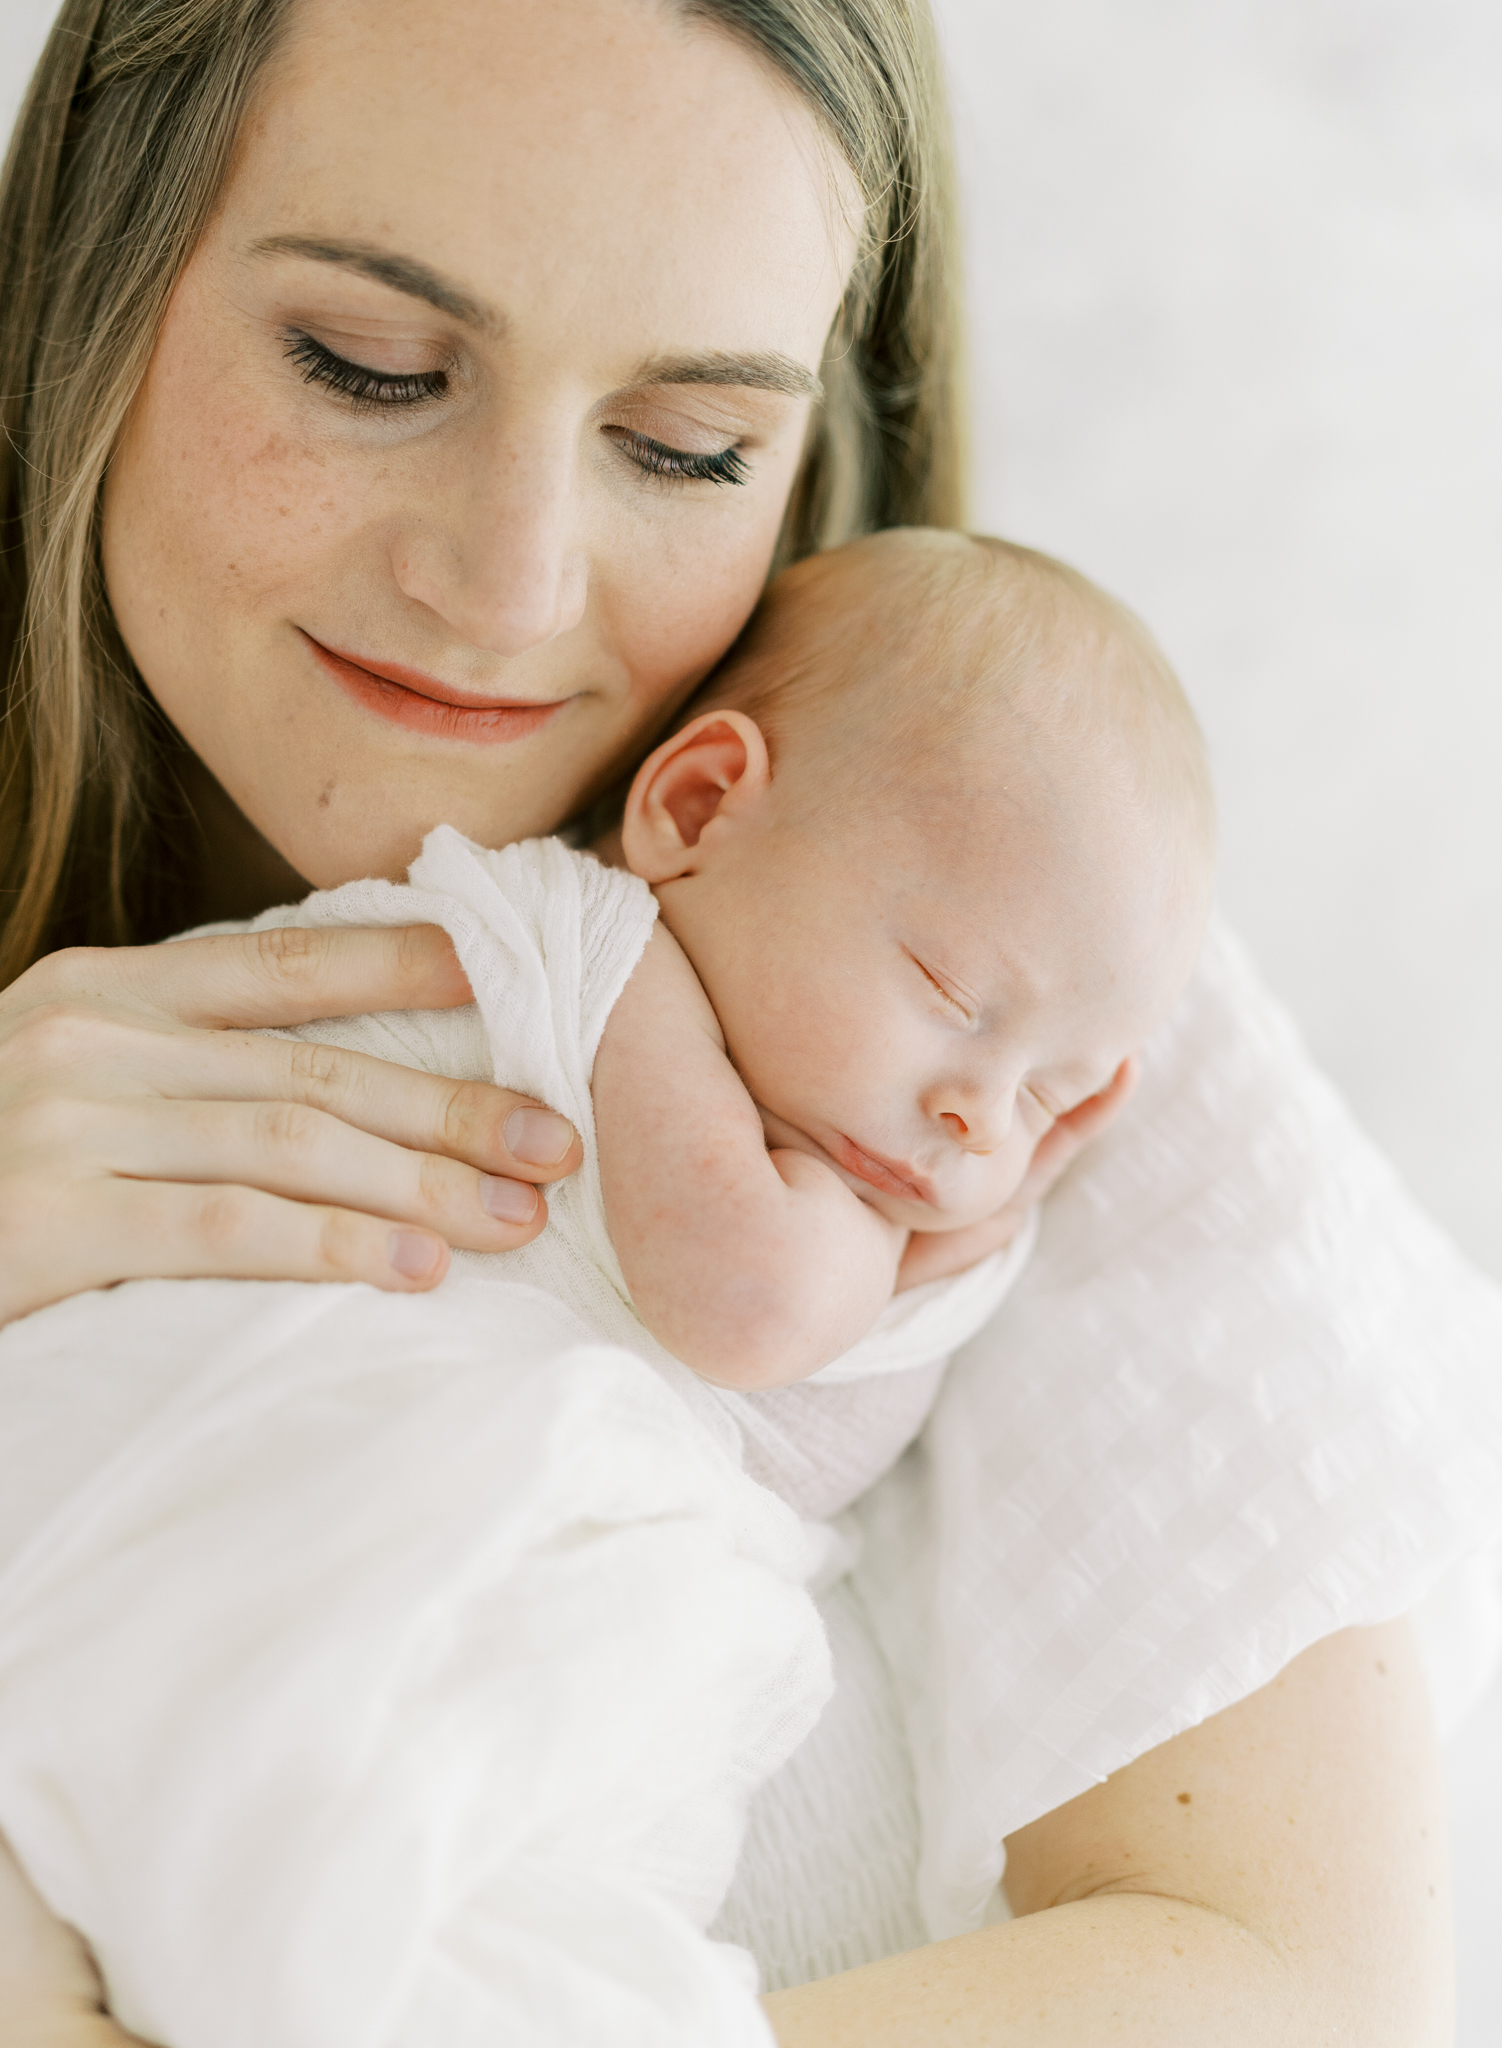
(212,520)
(692,581)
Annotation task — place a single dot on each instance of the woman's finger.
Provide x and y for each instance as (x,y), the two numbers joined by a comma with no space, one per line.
(69,1048)
(289,1149)
(252,980)
(144,1229)
(488,1127)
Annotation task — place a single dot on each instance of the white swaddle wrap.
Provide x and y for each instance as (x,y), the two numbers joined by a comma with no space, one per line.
(366,1681)
(395,1672)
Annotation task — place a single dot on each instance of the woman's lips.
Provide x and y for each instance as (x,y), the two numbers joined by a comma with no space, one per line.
(882,1174)
(406,697)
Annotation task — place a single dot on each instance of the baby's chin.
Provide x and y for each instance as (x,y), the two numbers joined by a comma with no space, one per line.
(936,1222)
(928,1218)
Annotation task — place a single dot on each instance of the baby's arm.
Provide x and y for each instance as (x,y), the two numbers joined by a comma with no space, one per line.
(754,1267)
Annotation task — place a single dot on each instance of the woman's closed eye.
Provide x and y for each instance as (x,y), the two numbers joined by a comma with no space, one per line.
(717,466)
(366,390)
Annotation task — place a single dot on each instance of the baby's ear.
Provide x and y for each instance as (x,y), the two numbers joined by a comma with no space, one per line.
(714,768)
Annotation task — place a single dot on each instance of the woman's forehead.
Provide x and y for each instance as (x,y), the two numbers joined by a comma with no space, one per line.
(595,165)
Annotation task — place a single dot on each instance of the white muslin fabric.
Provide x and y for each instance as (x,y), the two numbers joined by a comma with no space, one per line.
(443,1639)
(386,1671)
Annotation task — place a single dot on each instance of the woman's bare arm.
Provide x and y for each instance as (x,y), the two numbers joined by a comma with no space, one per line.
(1275,1878)
(146,1130)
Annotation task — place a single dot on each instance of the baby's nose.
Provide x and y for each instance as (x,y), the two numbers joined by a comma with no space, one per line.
(977,1123)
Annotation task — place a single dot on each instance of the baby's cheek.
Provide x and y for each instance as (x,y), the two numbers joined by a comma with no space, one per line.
(1006,1170)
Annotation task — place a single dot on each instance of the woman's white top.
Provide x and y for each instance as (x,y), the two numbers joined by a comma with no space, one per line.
(1244,1395)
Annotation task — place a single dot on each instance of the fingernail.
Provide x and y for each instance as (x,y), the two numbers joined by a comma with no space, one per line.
(537,1137)
(412,1255)
(509,1201)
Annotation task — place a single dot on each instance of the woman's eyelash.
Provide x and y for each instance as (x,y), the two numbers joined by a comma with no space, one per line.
(370,390)
(367,390)
(726,466)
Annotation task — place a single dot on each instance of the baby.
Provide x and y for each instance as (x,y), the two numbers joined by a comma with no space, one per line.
(445,1637)
(929,868)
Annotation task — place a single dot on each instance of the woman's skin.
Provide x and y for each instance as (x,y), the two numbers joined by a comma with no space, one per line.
(1275,1878)
(587,265)
(585,219)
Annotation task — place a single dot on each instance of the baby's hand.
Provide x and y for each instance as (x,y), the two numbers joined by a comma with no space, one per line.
(938,1254)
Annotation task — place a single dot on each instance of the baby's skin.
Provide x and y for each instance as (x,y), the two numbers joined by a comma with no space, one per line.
(930,867)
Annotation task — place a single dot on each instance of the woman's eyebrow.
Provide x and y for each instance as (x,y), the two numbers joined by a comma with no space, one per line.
(767,370)
(402,273)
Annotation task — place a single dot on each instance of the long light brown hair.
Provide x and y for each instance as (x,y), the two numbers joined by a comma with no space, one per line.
(114,167)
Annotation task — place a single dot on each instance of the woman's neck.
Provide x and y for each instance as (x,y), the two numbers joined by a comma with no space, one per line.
(241,873)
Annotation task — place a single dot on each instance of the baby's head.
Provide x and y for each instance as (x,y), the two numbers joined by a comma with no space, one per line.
(937,841)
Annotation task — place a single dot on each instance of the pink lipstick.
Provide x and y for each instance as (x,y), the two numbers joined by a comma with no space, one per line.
(420,703)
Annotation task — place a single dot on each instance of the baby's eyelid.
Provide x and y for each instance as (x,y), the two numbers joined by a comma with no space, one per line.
(934,982)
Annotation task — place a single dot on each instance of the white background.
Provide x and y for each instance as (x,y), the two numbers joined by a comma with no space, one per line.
(1236,290)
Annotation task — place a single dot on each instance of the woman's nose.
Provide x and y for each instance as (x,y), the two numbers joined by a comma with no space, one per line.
(502,561)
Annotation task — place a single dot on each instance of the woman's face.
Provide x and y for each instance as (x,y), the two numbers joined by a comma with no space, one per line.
(465,444)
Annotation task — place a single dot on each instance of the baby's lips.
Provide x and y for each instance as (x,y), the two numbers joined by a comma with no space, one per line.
(882,1174)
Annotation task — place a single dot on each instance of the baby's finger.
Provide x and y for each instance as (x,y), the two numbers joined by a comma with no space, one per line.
(287,1148)
(1071,1133)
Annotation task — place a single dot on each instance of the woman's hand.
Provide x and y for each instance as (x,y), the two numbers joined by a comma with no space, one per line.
(50,1994)
(146,1130)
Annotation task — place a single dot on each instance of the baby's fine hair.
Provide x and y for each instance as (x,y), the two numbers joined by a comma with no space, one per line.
(881,654)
